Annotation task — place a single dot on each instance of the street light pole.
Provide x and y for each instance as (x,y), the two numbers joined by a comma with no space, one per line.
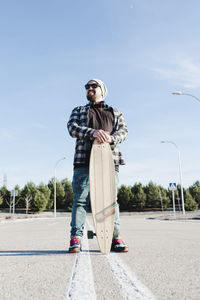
(180,173)
(179,93)
(55,184)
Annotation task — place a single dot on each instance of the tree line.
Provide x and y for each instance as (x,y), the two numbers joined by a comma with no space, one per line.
(152,196)
(34,198)
(138,197)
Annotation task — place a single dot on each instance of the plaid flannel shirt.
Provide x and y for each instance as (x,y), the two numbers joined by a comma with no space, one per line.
(78,128)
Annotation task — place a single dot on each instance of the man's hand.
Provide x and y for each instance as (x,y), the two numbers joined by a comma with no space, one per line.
(102,136)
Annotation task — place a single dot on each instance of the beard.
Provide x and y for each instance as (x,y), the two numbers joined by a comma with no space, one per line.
(91,96)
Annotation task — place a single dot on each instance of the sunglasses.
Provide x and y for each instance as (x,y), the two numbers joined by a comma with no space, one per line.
(92,85)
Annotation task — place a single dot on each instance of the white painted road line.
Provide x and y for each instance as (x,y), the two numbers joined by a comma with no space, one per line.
(81,285)
(130,287)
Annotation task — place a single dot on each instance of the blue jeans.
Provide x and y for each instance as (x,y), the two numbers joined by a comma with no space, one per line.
(81,189)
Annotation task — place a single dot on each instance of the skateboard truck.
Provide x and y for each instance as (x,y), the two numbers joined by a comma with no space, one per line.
(91,234)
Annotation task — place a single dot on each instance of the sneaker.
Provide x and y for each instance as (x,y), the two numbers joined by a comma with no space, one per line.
(118,245)
(75,245)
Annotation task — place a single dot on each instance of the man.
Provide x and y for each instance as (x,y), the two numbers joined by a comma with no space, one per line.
(95,120)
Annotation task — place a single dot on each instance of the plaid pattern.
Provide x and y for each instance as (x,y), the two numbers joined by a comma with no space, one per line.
(77,127)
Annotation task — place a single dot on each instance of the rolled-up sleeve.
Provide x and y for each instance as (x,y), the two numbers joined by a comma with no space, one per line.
(121,131)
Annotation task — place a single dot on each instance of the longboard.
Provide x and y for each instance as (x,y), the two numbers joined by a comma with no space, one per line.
(102,193)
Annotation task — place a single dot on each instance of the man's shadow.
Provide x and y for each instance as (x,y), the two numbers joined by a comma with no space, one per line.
(42,252)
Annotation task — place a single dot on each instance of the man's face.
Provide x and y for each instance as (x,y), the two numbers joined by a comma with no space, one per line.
(94,94)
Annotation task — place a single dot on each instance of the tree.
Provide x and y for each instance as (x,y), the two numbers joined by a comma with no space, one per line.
(195,192)
(164,198)
(46,192)
(1,200)
(28,194)
(7,199)
(39,202)
(60,194)
(124,197)
(190,203)
(153,196)
(139,196)
(6,196)
(17,198)
(14,200)
(69,195)
(27,199)
(35,198)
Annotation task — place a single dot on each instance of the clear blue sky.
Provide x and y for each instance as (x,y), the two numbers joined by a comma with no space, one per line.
(143,50)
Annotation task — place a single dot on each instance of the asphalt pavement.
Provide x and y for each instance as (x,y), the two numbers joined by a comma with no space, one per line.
(163,261)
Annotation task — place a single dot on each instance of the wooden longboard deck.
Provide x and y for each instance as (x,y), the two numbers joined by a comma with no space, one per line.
(103,194)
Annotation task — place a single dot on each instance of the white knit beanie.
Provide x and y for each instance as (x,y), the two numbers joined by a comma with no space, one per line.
(103,87)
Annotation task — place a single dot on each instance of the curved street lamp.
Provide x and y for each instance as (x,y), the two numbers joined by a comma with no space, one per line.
(180,173)
(55,184)
(179,93)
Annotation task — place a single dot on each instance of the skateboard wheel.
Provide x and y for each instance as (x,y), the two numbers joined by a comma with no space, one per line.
(90,234)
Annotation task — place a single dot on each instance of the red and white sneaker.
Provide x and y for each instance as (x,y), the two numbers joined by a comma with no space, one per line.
(118,245)
(75,245)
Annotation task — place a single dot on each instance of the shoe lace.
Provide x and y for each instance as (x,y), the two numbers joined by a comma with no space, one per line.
(74,241)
(118,241)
